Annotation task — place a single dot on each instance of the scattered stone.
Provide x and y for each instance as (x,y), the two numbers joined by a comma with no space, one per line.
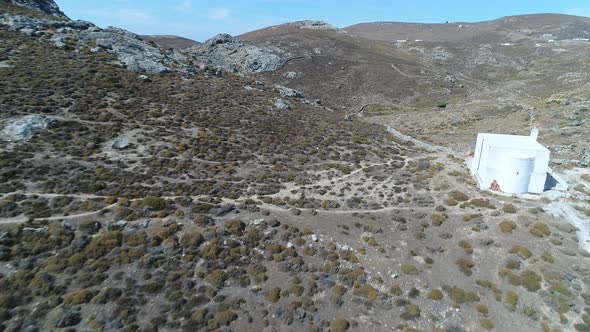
(81,242)
(120,143)
(43,229)
(292,75)
(59,42)
(257,222)
(282,105)
(69,318)
(288,92)
(118,225)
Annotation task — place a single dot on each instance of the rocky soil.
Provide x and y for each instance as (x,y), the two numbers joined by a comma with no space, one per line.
(197,191)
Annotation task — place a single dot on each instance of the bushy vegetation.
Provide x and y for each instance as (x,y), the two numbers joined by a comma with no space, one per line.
(106,101)
(507,226)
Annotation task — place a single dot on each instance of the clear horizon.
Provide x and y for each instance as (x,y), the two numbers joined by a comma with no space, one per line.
(200,20)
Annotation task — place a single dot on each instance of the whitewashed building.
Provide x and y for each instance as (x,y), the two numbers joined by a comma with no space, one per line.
(513,164)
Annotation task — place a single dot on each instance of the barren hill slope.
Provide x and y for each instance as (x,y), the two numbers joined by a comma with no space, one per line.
(340,69)
(520,67)
(506,29)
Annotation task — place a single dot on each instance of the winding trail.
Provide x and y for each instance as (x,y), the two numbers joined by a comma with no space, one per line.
(20,220)
(270,207)
(404,74)
(419,143)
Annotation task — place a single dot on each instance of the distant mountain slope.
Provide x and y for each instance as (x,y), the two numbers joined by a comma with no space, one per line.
(170,41)
(333,66)
(511,28)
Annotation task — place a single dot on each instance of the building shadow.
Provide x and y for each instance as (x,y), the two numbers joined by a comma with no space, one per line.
(551,182)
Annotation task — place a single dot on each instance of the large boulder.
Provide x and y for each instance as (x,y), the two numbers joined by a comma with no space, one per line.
(286,92)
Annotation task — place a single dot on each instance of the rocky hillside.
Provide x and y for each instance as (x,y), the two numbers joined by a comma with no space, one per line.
(137,53)
(147,189)
(464,77)
(45,6)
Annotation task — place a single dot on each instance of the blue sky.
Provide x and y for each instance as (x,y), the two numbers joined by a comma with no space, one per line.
(199,20)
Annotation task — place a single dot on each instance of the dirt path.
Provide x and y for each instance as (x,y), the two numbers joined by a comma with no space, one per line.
(19,220)
(406,75)
(419,143)
(52,195)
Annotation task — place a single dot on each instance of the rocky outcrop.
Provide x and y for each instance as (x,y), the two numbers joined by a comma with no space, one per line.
(232,54)
(282,105)
(17,130)
(318,25)
(286,92)
(45,6)
(134,52)
(130,49)
(223,52)
(291,75)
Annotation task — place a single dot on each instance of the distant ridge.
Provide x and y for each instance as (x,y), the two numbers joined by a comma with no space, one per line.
(170,41)
(561,25)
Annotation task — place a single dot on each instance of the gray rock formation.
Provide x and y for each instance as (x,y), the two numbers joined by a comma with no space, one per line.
(22,129)
(288,92)
(45,6)
(233,55)
(120,143)
(130,49)
(223,51)
(282,105)
(292,75)
(135,53)
(319,25)
(312,24)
